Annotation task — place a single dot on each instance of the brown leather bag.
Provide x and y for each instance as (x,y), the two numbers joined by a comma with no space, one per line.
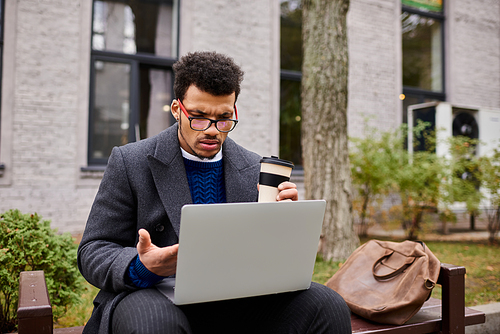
(387,282)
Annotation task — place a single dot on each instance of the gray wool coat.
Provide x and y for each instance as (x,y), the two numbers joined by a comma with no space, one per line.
(145,186)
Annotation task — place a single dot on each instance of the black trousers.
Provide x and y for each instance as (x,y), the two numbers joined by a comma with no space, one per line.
(316,310)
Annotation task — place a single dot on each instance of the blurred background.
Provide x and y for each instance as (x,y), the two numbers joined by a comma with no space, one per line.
(79,77)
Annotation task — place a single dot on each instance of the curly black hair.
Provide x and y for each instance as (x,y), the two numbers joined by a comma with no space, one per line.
(211,72)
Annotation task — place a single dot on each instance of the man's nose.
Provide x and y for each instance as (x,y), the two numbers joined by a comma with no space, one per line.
(212,130)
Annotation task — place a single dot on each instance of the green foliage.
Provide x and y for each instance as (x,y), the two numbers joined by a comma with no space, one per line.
(424,181)
(371,170)
(381,164)
(78,314)
(28,243)
(419,186)
(490,168)
(490,179)
(324,270)
(482,263)
(471,179)
(465,172)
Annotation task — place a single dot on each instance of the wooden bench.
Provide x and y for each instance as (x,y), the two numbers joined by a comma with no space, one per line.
(449,316)
(34,311)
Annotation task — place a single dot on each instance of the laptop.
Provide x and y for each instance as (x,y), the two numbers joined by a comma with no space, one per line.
(237,250)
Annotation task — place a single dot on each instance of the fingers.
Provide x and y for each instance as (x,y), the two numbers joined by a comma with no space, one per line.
(165,261)
(173,250)
(144,241)
(144,235)
(160,260)
(287,191)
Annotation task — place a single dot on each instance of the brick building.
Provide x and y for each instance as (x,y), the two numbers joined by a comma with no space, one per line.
(73,81)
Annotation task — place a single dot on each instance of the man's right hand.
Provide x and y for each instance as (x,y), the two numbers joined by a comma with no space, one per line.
(161,261)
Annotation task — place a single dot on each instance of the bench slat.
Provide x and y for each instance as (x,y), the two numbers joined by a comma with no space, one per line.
(427,320)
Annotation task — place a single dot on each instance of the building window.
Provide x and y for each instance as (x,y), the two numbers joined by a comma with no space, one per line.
(134,45)
(291,66)
(422,25)
(2,166)
(1,39)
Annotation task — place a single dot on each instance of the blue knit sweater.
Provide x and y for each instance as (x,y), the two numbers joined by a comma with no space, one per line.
(206,181)
(206,184)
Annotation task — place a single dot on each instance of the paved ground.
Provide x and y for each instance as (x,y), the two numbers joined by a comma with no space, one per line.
(459,231)
(454,235)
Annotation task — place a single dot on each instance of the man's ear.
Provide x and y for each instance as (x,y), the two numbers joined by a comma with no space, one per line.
(175,109)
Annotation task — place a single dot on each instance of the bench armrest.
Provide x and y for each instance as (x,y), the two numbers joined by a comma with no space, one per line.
(452,280)
(34,312)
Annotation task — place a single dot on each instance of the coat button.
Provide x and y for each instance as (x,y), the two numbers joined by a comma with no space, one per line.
(159,228)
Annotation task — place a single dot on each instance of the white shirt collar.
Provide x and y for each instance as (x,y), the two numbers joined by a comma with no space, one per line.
(189,156)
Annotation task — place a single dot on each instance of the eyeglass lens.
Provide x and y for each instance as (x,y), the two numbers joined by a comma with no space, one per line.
(204,123)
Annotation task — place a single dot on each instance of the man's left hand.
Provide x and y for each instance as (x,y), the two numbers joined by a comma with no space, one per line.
(287,192)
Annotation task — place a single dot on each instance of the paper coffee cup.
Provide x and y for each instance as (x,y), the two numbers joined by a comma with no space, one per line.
(273,171)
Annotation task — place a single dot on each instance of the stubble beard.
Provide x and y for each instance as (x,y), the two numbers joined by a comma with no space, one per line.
(192,149)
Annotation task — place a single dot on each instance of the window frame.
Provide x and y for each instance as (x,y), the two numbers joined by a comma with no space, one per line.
(2,22)
(422,94)
(133,99)
(288,73)
(135,61)
(294,76)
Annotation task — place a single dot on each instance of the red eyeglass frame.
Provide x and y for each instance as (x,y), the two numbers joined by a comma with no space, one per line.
(187,115)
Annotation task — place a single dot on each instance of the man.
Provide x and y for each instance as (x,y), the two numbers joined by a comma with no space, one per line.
(130,241)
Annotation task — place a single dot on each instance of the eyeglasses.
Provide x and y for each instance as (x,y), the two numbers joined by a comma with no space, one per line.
(202,123)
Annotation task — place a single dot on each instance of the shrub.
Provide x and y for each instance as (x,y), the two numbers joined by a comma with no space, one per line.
(370,171)
(490,167)
(464,175)
(381,165)
(28,243)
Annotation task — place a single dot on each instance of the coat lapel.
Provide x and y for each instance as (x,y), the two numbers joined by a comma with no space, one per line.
(169,175)
(240,174)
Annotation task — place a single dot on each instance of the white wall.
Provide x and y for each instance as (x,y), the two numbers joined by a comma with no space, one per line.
(473,53)
(374,36)
(40,111)
(248,31)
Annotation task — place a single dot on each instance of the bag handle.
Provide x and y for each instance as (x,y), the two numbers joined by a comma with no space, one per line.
(409,260)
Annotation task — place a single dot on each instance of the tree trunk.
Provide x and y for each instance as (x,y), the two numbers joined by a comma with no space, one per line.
(363,226)
(472,221)
(493,224)
(446,229)
(324,122)
(415,224)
